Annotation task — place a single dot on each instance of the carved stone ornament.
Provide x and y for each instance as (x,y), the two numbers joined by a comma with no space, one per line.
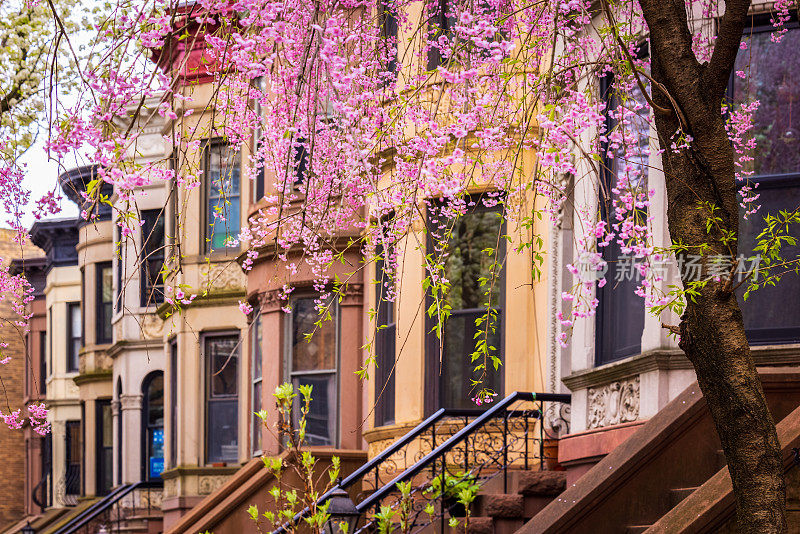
(271,301)
(208,484)
(224,276)
(352,295)
(614,403)
(152,326)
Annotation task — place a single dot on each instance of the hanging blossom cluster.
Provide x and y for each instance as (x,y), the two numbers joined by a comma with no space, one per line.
(360,116)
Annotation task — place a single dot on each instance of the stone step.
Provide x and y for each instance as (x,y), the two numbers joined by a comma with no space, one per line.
(505,505)
(542,483)
(678,494)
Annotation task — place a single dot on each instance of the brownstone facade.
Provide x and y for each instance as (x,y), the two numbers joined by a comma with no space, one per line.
(12,389)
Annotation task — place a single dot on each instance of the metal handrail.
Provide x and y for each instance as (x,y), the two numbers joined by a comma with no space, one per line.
(83,519)
(481,415)
(456,438)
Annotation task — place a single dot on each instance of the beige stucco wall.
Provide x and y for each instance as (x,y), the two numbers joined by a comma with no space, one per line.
(63,402)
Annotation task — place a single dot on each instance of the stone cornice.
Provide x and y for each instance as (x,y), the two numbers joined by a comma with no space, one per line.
(195,470)
(648,361)
(669,359)
(87,378)
(217,298)
(137,344)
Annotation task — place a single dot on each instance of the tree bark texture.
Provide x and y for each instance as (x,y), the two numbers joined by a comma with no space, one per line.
(712,332)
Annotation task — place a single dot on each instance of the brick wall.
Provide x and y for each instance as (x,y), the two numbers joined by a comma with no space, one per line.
(12,380)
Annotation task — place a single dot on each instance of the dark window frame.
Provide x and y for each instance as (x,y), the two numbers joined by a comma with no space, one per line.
(335,372)
(43,340)
(148,428)
(151,255)
(757,24)
(256,381)
(207,218)
(73,353)
(438,23)
(119,273)
(50,341)
(102,470)
(83,308)
(389,27)
(120,431)
(103,316)
(385,347)
(73,467)
(609,295)
(173,398)
(433,388)
(209,399)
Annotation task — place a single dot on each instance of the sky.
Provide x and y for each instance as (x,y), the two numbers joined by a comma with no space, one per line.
(41,176)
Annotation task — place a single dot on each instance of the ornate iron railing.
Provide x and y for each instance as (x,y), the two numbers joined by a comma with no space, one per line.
(40,494)
(68,488)
(479,444)
(140,501)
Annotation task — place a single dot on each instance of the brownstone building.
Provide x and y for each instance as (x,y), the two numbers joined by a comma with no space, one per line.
(12,442)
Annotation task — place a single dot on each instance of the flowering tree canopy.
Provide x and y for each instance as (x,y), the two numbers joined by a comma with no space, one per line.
(381,118)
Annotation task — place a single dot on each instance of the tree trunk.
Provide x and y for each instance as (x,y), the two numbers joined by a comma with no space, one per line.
(711,330)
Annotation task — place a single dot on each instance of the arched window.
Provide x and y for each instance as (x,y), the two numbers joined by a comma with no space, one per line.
(153,426)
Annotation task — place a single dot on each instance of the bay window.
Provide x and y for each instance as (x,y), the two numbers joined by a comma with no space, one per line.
(314,361)
(222,397)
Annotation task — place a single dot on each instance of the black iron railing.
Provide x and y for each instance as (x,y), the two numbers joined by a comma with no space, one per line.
(40,495)
(480,444)
(125,502)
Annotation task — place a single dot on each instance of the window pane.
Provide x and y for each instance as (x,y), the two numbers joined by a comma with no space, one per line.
(774,80)
(223,355)
(173,399)
(105,449)
(75,320)
(222,431)
(107,429)
(466,262)
(384,348)
(223,195)
(765,317)
(152,257)
(74,342)
(321,419)
(155,402)
(257,347)
(106,285)
(257,423)
(73,452)
(457,370)
(105,298)
(319,352)
(620,312)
